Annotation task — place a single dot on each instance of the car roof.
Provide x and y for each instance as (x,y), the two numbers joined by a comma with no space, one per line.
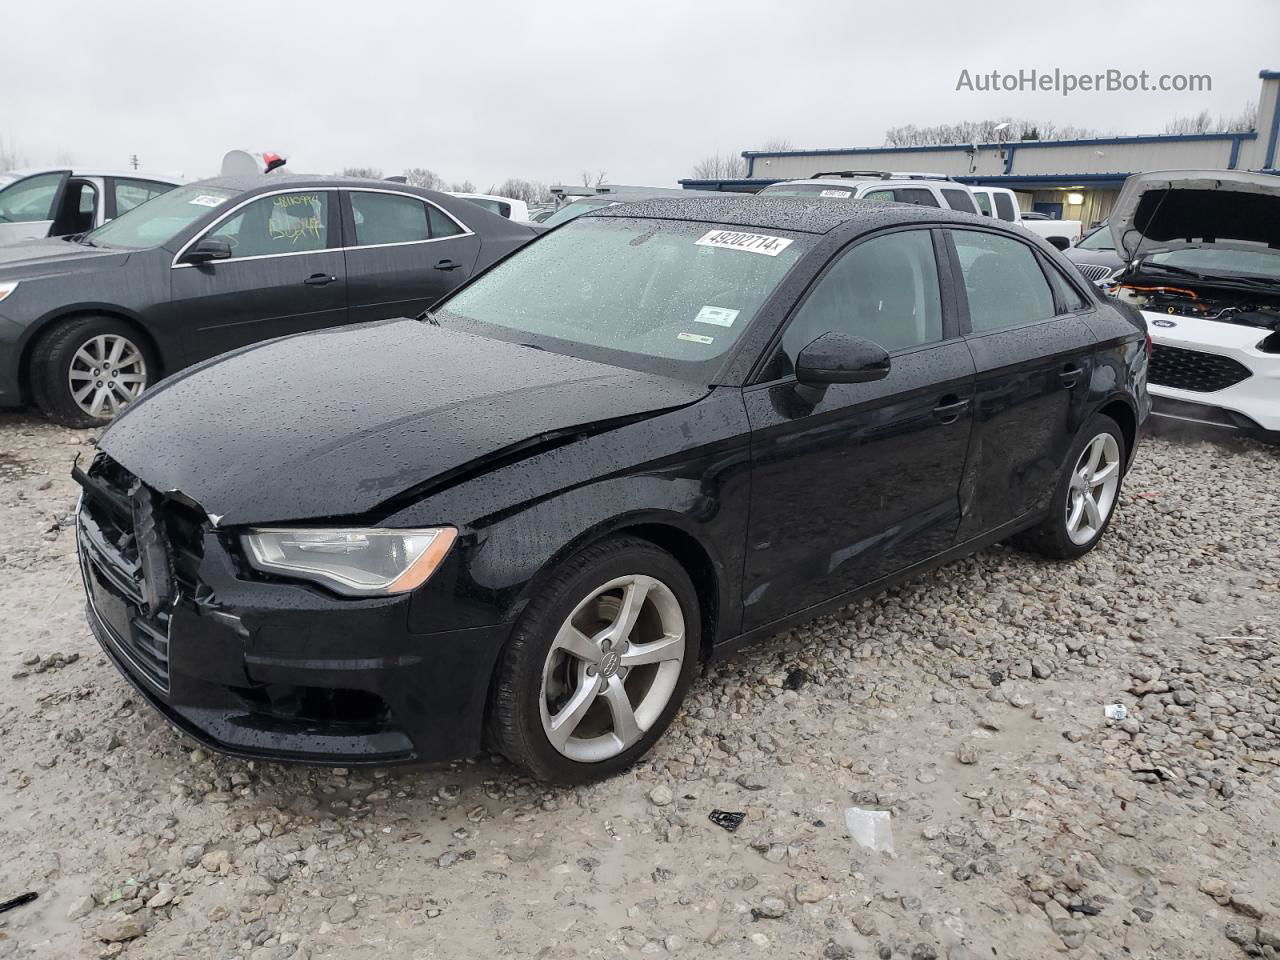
(285,181)
(802,214)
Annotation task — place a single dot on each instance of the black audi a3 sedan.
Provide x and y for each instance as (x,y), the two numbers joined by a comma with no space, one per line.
(647,438)
(86,325)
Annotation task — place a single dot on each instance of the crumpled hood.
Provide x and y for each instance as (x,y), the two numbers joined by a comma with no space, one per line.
(29,259)
(1176,209)
(336,422)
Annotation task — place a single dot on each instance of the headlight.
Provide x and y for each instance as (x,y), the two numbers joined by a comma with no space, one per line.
(356,562)
(7,287)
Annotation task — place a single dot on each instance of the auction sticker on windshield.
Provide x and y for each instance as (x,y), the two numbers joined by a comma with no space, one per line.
(836,194)
(720,316)
(207,201)
(751,242)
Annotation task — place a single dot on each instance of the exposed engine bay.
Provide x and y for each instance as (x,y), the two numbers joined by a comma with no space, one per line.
(1251,309)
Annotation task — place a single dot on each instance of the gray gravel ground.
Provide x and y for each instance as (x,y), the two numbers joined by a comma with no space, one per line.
(968,703)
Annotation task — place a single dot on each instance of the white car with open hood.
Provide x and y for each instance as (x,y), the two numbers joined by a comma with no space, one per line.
(1203,248)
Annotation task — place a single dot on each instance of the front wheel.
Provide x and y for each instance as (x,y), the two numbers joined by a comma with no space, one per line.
(85,371)
(1086,495)
(598,665)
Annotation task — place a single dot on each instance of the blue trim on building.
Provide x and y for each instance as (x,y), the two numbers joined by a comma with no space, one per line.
(1269,74)
(1010,150)
(1235,154)
(1270,161)
(1044,180)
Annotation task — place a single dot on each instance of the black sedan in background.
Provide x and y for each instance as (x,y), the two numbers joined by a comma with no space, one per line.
(662,430)
(86,326)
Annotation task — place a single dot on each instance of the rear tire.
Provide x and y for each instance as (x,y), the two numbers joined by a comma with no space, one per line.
(1086,496)
(84,371)
(598,663)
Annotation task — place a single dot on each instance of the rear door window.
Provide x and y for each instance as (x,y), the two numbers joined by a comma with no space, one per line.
(132,193)
(383,218)
(1003,281)
(959,200)
(984,202)
(920,196)
(1004,208)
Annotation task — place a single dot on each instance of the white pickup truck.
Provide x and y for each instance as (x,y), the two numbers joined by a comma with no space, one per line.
(1000,202)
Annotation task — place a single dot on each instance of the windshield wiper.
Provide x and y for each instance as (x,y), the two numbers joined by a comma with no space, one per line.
(428,316)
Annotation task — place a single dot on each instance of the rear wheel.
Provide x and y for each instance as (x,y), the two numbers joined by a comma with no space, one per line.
(598,665)
(85,371)
(1086,496)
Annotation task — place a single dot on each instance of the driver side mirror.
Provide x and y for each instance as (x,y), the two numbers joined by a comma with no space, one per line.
(206,250)
(1062,243)
(839,358)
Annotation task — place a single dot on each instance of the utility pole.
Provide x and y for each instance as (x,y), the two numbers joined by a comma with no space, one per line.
(134,160)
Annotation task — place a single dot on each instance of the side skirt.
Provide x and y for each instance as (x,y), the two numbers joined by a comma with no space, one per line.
(731,646)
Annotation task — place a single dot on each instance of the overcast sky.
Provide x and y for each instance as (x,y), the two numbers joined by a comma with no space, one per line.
(546,90)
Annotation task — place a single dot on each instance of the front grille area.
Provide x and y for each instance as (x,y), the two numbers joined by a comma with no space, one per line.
(1193,370)
(1095,271)
(140,552)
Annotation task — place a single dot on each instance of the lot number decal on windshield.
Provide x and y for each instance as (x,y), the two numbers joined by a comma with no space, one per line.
(206,201)
(751,242)
(695,338)
(720,316)
(837,194)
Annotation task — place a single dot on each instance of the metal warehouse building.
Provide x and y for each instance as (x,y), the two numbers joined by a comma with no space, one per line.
(1069,179)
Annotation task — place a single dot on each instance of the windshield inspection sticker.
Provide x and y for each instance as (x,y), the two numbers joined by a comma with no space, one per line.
(695,338)
(205,200)
(836,194)
(720,316)
(751,242)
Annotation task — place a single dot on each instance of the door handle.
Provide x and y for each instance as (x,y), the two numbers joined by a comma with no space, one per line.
(1070,374)
(949,410)
(447,265)
(319,279)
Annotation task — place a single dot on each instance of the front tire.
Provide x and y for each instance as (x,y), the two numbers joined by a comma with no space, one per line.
(598,664)
(1086,496)
(85,371)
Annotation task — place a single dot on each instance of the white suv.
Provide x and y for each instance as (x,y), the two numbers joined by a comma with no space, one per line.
(924,189)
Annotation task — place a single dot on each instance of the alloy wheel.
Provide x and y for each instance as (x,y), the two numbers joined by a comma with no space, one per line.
(612,668)
(107,373)
(1094,484)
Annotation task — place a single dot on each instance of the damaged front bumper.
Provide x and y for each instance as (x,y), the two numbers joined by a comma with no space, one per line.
(271,669)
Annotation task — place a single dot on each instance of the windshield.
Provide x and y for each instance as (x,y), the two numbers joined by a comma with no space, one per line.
(157,221)
(664,296)
(1221,262)
(1099,239)
(834,191)
(6,179)
(576,209)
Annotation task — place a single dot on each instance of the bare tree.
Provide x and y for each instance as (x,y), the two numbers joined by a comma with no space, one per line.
(462,186)
(422,177)
(982,131)
(530,191)
(590,179)
(1203,122)
(728,166)
(10,156)
(777,145)
(369,173)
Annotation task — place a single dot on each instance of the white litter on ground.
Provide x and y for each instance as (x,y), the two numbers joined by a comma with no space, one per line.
(870,828)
